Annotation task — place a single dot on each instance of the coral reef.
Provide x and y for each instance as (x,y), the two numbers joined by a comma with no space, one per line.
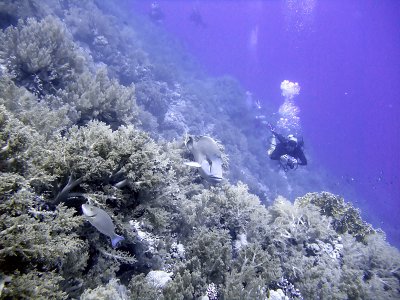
(49,72)
(345,217)
(111,291)
(40,55)
(72,133)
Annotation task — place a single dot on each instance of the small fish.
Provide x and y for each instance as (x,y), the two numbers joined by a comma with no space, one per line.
(102,221)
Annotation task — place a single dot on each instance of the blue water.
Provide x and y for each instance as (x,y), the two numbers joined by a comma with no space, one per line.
(346,57)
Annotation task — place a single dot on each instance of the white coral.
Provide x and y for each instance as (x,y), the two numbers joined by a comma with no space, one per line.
(241,241)
(158,278)
(177,250)
(277,295)
(113,290)
(150,239)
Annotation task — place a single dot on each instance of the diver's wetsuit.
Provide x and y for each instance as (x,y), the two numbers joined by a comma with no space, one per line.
(282,149)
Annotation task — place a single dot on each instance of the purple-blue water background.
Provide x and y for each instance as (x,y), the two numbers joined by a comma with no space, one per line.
(345,54)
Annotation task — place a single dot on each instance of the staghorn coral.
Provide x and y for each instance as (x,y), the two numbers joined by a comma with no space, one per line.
(122,52)
(158,278)
(294,224)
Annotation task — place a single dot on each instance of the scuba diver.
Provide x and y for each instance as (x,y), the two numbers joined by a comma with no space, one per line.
(288,150)
(196,18)
(156,14)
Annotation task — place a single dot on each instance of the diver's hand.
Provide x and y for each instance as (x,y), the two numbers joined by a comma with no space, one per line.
(289,161)
(292,162)
(284,159)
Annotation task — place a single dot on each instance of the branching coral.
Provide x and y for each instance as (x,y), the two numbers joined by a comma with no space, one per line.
(34,239)
(47,116)
(34,285)
(122,52)
(31,233)
(113,290)
(62,143)
(294,224)
(140,288)
(40,54)
(210,248)
(21,146)
(98,97)
(293,228)
(372,270)
(250,274)
(232,208)
(185,285)
(42,57)
(154,97)
(95,154)
(345,218)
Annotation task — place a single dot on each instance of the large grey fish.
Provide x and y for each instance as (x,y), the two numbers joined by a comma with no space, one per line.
(102,221)
(207,158)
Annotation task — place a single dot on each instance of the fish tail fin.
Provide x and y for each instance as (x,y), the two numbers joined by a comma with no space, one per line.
(116,239)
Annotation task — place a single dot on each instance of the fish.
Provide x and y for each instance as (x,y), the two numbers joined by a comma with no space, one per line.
(207,158)
(102,222)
